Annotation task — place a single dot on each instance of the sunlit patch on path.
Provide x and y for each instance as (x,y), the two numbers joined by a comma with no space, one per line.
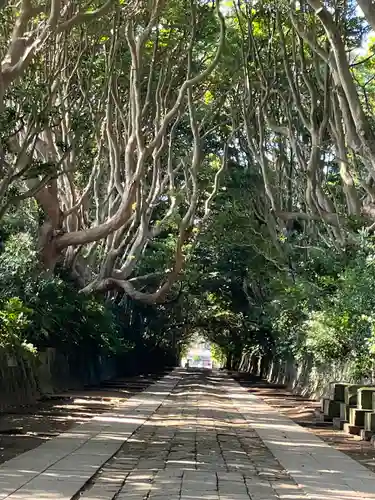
(192,435)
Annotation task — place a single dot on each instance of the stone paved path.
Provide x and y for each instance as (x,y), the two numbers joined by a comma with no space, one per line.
(191,436)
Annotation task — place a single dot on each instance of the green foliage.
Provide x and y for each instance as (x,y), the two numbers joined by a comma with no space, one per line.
(218,355)
(252,284)
(327,335)
(39,311)
(318,302)
(65,319)
(328,311)
(14,320)
(17,263)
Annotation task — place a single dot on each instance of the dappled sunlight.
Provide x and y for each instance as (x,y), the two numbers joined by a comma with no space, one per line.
(292,445)
(59,468)
(203,441)
(152,393)
(26,428)
(123,420)
(107,437)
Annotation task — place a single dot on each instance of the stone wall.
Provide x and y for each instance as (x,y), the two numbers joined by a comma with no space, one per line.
(18,382)
(303,377)
(24,377)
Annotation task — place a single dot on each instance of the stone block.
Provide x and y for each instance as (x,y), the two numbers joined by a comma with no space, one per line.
(370,421)
(337,391)
(322,419)
(352,429)
(319,415)
(364,399)
(357,416)
(323,403)
(331,408)
(338,423)
(344,411)
(350,394)
(366,435)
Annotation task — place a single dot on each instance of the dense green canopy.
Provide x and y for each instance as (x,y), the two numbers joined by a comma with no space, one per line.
(168,167)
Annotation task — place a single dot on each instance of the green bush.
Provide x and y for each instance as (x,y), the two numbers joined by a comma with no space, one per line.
(328,311)
(327,335)
(18,265)
(14,321)
(50,311)
(44,311)
(63,318)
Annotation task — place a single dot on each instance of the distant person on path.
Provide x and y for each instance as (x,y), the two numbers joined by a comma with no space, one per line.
(187,364)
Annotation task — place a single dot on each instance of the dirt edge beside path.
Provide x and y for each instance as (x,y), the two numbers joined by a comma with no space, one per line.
(302,411)
(24,428)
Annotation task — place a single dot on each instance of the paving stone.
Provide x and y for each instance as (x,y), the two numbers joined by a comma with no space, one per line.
(59,468)
(191,436)
(200,496)
(130,496)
